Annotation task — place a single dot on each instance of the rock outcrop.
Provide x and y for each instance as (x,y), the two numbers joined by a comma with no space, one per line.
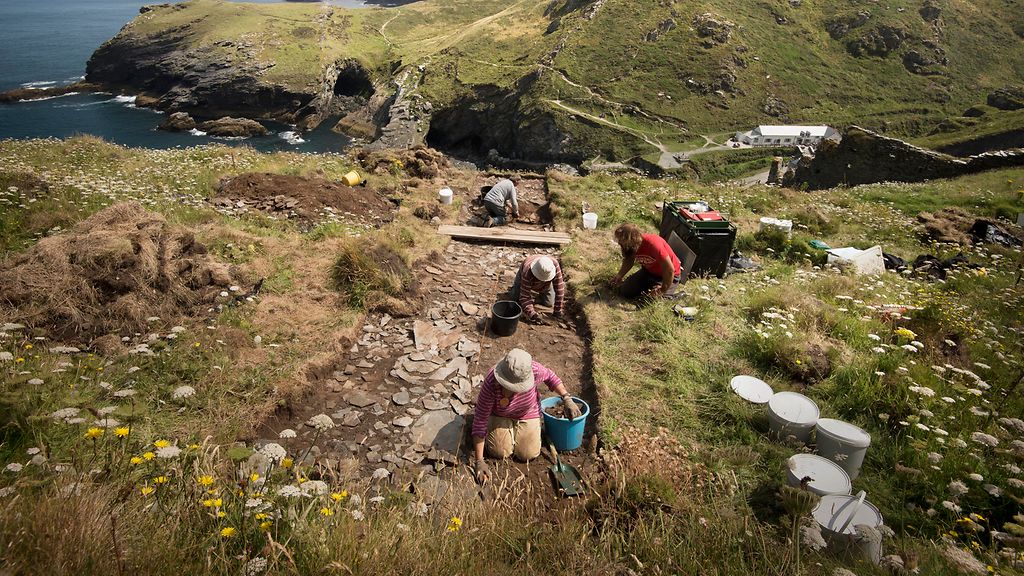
(177,122)
(233,127)
(1009,98)
(713,28)
(865,157)
(880,41)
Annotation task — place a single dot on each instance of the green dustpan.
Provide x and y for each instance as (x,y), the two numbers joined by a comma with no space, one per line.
(567,478)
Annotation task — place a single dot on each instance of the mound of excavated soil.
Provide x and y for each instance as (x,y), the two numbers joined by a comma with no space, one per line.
(310,199)
(108,274)
(947,225)
(419,162)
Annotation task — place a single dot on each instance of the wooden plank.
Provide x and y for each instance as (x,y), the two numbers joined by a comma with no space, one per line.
(503,234)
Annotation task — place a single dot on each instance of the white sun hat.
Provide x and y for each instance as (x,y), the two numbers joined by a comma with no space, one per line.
(543,269)
(515,371)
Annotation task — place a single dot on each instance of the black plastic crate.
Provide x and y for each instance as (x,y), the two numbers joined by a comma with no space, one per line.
(713,246)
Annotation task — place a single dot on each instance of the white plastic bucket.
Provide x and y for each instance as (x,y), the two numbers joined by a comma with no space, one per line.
(445,195)
(777,224)
(589,220)
(792,414)
(826,477)
(839,515)
(842,443)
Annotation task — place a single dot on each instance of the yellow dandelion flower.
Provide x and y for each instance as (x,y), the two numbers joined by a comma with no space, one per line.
(193,446)
(228,532)
(122,432)
(196,344)
(287,462)
(28,346)
(148,455)
(221,514)
(218,502)
(326,512)
(136,460)
(266,524)
(147,490)
(161,444)
(254,477)
(205,480)
(208,503)
(454,523)
(339,496)
(93,433)
(19,360)
(160,479)
(906,333)
(261,516)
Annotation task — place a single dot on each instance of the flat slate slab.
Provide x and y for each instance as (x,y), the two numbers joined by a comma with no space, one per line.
(441,429)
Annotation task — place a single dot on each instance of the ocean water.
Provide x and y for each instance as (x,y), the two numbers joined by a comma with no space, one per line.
(48,43)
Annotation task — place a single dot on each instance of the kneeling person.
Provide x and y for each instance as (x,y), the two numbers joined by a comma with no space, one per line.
(539,281)
(507,418)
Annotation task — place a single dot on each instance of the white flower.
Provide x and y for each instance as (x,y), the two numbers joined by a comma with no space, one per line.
(321,422)
(957,488)
(1012,468)
(1015,483)
(168,452)
(357,515)
(32,451)
(950,506)
(878,350)
(274,451)
(925,413)
(948,400)
(286,433)
(993,490)
(6,356)
(909,348)
(976,477)
(183,392)
(106,410)
(13,467)
(923,391)
(983,366)
(314,488)
(986,439)
(922,426)
(978,411)
(940,432)
(36,381)
(124,393)
(875,337)
(256,566)
(934,457)
(289,491)
(64,413)
(108,422)
(959,443)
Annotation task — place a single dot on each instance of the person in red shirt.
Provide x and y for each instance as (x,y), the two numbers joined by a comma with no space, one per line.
(659,265)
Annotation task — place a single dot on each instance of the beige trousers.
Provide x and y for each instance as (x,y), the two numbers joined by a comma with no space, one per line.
(518,438)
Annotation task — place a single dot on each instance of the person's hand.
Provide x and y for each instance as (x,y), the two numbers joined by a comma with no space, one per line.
(616,280)
(571,407)
(481,471)
(537,320)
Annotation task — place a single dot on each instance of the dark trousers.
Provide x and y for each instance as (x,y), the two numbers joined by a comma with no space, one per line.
(497,212)
(545,298)
(638,283)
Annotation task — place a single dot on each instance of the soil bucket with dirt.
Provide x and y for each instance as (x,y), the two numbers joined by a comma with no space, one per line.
(565,434)
(505,316)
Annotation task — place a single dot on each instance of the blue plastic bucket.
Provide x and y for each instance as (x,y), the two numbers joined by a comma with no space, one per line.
(565,434)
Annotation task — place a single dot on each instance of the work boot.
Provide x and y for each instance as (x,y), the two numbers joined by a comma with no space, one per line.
(489,222)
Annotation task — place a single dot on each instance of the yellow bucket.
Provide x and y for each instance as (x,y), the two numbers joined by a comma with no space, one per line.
(352,178)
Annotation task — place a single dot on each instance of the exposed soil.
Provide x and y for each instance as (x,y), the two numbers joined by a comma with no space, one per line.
(558,410)
(310,200)
(109,274)
(400,373)
(419,162)
(535,210)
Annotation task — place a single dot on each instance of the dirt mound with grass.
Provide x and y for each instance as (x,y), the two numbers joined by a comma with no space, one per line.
(309,199)
(375,276)
(108,274)
(419,162)
(947,225)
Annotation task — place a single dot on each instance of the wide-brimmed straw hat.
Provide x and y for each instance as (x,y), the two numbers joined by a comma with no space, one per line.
(515,371)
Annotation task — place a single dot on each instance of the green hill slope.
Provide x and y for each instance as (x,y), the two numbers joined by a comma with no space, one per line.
(574,79)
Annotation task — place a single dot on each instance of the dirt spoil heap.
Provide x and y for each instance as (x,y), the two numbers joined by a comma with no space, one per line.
(108,275)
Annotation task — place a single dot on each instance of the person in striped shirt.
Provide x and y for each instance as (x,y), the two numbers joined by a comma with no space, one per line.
(507,418)
(539,281)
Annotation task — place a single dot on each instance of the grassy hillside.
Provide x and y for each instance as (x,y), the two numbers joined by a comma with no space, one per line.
(624,78)
(682,459)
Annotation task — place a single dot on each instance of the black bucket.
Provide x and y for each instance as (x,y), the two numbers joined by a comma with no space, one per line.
(505,317)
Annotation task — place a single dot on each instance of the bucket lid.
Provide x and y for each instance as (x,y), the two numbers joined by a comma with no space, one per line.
(827,477)
(844,431)
(833,511)
(751,389)
(793,407)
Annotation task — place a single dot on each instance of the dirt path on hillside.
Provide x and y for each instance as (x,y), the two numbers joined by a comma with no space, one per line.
(403,395)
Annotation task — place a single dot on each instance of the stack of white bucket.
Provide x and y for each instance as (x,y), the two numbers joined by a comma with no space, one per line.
(841,447)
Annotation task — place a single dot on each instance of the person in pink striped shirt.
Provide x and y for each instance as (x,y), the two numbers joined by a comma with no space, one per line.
(507,418)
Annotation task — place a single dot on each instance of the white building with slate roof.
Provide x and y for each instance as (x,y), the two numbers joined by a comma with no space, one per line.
(787,135)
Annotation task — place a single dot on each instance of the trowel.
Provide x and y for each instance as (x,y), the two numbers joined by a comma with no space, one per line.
(567,478)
